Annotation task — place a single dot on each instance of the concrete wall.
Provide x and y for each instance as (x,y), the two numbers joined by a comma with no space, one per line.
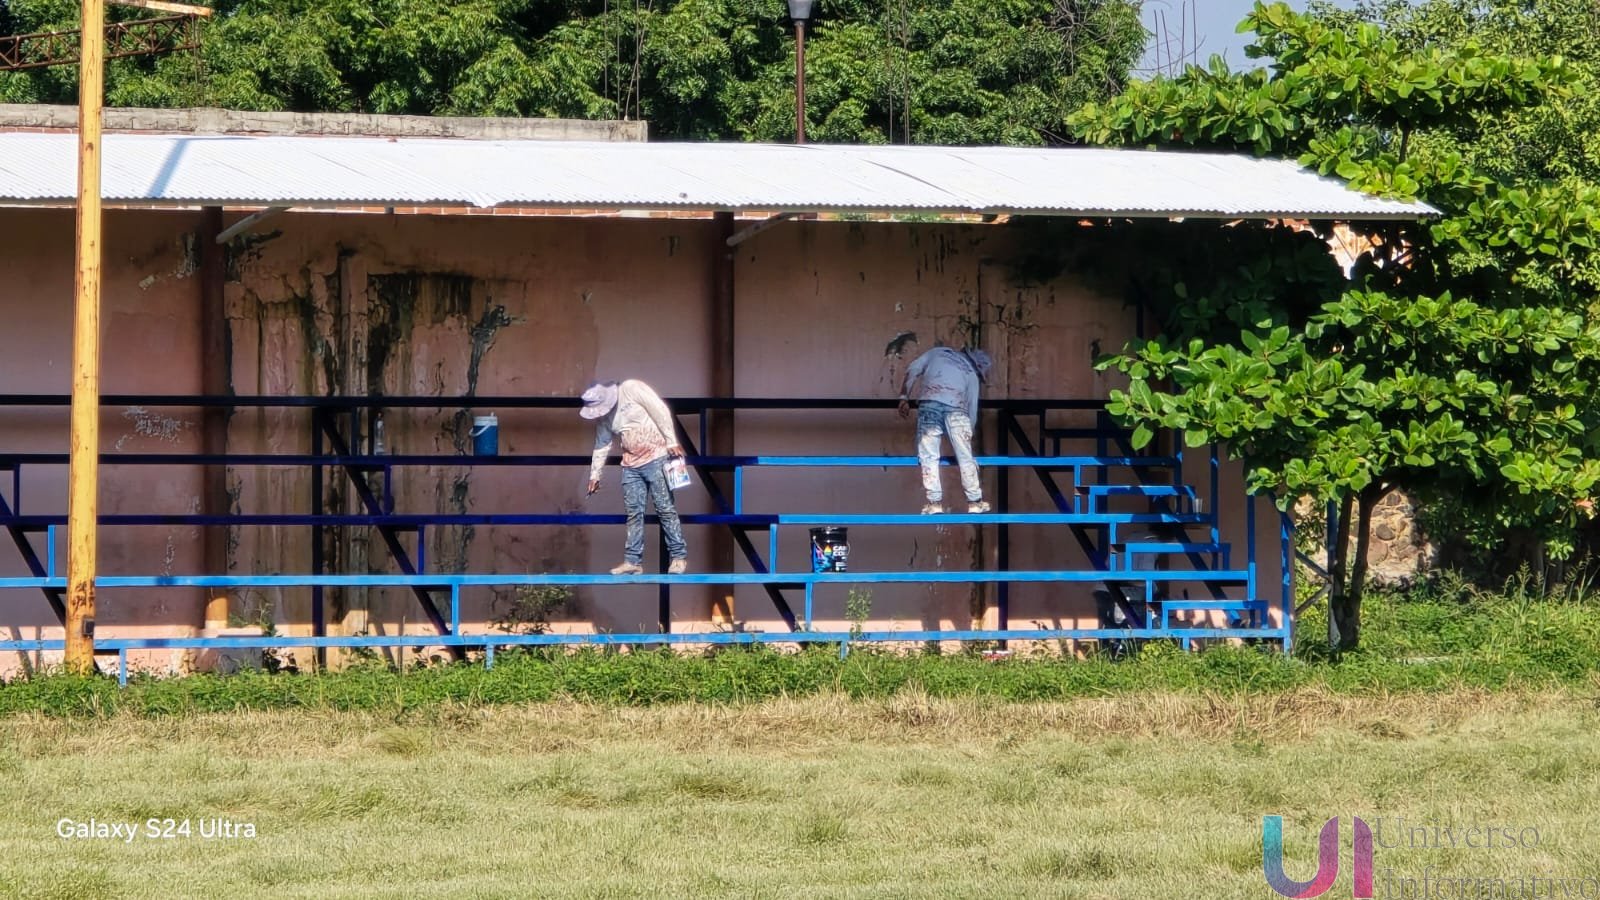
(453,306)
(52,117)
(152,345)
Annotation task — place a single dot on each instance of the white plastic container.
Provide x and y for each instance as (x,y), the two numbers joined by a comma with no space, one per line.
(677,472)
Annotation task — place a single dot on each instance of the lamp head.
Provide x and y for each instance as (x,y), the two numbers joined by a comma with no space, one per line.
(800,9)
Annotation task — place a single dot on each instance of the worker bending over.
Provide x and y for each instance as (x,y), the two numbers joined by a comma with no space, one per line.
(636,413)
(945,383)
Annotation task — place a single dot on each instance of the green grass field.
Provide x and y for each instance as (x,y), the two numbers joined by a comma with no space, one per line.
(824,796)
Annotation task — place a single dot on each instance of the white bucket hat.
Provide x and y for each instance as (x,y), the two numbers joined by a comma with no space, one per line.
(599,399)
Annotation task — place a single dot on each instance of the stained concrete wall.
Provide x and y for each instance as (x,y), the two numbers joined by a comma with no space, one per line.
(459,306)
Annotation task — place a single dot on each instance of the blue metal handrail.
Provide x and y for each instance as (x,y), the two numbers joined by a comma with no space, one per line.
(1082,512)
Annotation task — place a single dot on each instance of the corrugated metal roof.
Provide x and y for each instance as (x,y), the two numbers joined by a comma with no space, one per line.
(334,171)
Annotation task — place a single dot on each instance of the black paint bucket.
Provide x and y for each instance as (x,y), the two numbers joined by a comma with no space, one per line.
(830,549)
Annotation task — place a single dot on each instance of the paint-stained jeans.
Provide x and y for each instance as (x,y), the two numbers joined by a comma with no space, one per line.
(650,480)
(936,420)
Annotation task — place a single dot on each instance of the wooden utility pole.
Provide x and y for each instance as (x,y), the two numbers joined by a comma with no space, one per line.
(83,479)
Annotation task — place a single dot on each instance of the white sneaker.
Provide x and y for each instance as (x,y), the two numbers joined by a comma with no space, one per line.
(978,507)
(932,509)
(678,567)
(628,568)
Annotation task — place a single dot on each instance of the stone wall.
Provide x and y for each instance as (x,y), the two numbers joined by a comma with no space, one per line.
(1398,553)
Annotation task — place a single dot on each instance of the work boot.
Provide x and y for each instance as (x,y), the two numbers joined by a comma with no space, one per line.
(628,568)
(932,509)
(977,506)
(678,567)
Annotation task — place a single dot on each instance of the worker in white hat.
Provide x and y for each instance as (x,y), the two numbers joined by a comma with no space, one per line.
(638,415)
(945,383)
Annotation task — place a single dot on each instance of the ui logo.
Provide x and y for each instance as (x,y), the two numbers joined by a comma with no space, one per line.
(1327,859)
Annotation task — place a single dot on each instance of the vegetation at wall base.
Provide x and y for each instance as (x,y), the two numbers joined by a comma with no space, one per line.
(1434,638)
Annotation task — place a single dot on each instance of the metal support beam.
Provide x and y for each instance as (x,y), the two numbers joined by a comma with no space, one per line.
(1003,500)
(248,222)
(83,478)
(318,535)
(136,37)
(216,380)
(720,439)
(30,558)
(387,533)
(742,540)
(748,232)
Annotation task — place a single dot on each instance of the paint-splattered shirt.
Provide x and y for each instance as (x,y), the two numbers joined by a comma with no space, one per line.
(945,376)
(643,422)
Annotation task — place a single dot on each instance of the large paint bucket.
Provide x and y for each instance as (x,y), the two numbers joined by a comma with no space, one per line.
(486,435)
(830,549)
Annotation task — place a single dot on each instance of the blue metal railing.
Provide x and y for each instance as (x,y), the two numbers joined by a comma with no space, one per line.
(1172,504)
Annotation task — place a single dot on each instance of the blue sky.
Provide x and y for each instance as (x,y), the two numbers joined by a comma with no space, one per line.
(1213,21)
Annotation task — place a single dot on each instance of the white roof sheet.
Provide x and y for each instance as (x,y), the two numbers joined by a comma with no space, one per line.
(337,171)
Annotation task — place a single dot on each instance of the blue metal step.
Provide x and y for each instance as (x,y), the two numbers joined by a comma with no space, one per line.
(1235,609)
(992,519)
(1090,497)
(1134,548)
(1215,604)
(1138,490)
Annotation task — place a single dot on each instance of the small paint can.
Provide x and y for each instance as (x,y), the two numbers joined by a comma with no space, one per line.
(830,549)
(677,472)
(486,435)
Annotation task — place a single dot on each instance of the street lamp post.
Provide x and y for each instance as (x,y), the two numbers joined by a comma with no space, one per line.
(800,11)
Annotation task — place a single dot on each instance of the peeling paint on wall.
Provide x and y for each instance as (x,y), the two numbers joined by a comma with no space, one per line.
(189,261)
(152,425)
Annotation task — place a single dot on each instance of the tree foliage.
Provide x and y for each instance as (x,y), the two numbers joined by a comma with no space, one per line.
(914,71)
(1459,361)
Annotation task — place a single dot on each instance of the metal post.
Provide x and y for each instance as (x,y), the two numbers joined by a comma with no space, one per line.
(717,438)
(84,475)
(1286,560)
(1003,550)
(215,380)
(663,590)
(799,81)
(317,561)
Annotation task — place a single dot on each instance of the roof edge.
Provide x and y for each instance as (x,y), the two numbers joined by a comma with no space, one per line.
(212,120)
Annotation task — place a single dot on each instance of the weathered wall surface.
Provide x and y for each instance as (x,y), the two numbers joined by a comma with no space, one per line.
(489,306)
(151,345)
(452,307)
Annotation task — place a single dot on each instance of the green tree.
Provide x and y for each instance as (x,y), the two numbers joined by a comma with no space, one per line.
(1459,361)
(922,71)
